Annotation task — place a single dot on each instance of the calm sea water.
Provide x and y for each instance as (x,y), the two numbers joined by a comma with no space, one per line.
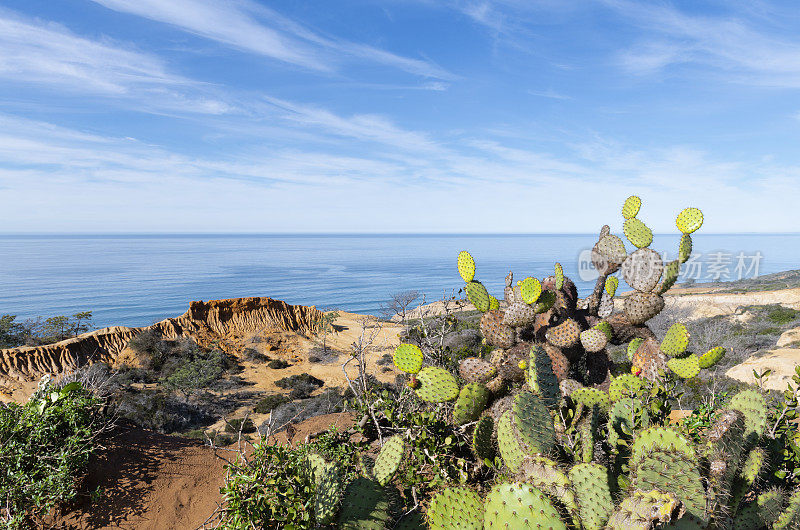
(136,280)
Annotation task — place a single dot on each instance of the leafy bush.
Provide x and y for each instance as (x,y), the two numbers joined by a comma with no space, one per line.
(277,364)
(44,447)
(160,411)
(235,425)
(301,385)
(269,403)
(197,374)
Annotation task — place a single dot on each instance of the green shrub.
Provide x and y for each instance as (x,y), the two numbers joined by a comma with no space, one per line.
(277,364)
(782,315)
(269,403)
(44,447)
(197,374)
(246,426)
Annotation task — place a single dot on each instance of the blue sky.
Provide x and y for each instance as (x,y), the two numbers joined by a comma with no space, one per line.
(397,115)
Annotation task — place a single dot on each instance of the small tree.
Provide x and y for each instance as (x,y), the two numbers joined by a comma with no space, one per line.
(399,305)
(326,326)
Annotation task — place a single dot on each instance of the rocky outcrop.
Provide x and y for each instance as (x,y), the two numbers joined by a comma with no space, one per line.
(203,320)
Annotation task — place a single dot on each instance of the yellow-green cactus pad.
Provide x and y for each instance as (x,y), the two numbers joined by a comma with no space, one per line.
(633,346)
(545,302)
(711,357)
(559,276)
(456,508)
(531,289)
(466,266)
(671,272)
(606,328)
(436,385)
(408,358)
(637,233)
(675,341)
(685,248)
(478,295)
(389,459)
(689,220)
(631,207)
(494,304)
(612,282)
(686,367)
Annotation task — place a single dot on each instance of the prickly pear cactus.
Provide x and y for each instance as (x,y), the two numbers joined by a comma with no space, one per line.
(522,506)
(389,459)
(456,508)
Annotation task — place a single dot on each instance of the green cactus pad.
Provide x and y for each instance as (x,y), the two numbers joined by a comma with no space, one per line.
(543,473)
(622,417)
(482,439)
(519,506)
(329,490)
(494,304)
(532,424)
(590,482)
(475,370)
(689,220)
(625,385)
(685,248)
(671,272)
(531,289)
(631,207)
(456,508)
(546,300)
(412,521)
(593,340)
(752,404)
(660,438)
(753,466)
(712,357)
(478,296)
(606,328)
(389,459)
(675,341)
(436,385)
(761,513)
(645,511)
(541,377)
(675,472)
(365,506)
(790,517)
(633,346)
(559,276)
(590,397)
(471,403)
(507,442)
(408,358)
(612,282)
(685,367)
(466,266)
(637,233)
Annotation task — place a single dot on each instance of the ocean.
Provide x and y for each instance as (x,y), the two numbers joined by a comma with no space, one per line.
(135,280)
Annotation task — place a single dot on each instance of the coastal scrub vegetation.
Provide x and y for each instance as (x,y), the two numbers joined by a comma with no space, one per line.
(39,331)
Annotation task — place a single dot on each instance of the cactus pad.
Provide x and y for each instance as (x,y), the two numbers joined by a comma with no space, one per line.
(329,488)
(590,397)
(470,404)
(675,341)
(641,307)
(530,289)
(631,207)
(686,367)
(436,385)
(590,482)
(593,340)
(546,300)
(637,233)
(790,517)
(365,506)
(408,358)
(510,448)
(685,248)
(466,266)
(559,277)
(673,471)
(495,332)
(761,513)
(612,249)
(474,370)
(660,438)
(494,304)
(519,506)
(519,314)
(532,424)
(671,272)
(456,508)
(565,334)
(606,328)
(645,511)
(478,296)
(541,376)
(633,345)
(482,438)
(643,269)
(712,357)
(649,360)
(606,307)
(689,220)
(751,403)
(625,385)
(612,282)
(388,461)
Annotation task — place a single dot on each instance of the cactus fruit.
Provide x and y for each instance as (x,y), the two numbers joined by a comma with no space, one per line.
(559,277)
(365,506)
(495,332)
(612,282)
(408,358)
(456,508)
(466,266)
(641,307)
(474,370)
(564,335)
(388,461)
(645,511)
(593,340)
(637,233)
(631,207)
(436,385)
(532,424)
(592,492)
(752,404)
(519,506)
(530,289)
(482,438)
(478,296)
(675,341)
(671,272)
(519,314)
(643,269)
(685,248)
(633,345)
(712,357)
(470,404)
(689,220)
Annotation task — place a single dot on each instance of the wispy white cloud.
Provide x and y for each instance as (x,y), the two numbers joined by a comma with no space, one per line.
(256,29)
(550,93)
